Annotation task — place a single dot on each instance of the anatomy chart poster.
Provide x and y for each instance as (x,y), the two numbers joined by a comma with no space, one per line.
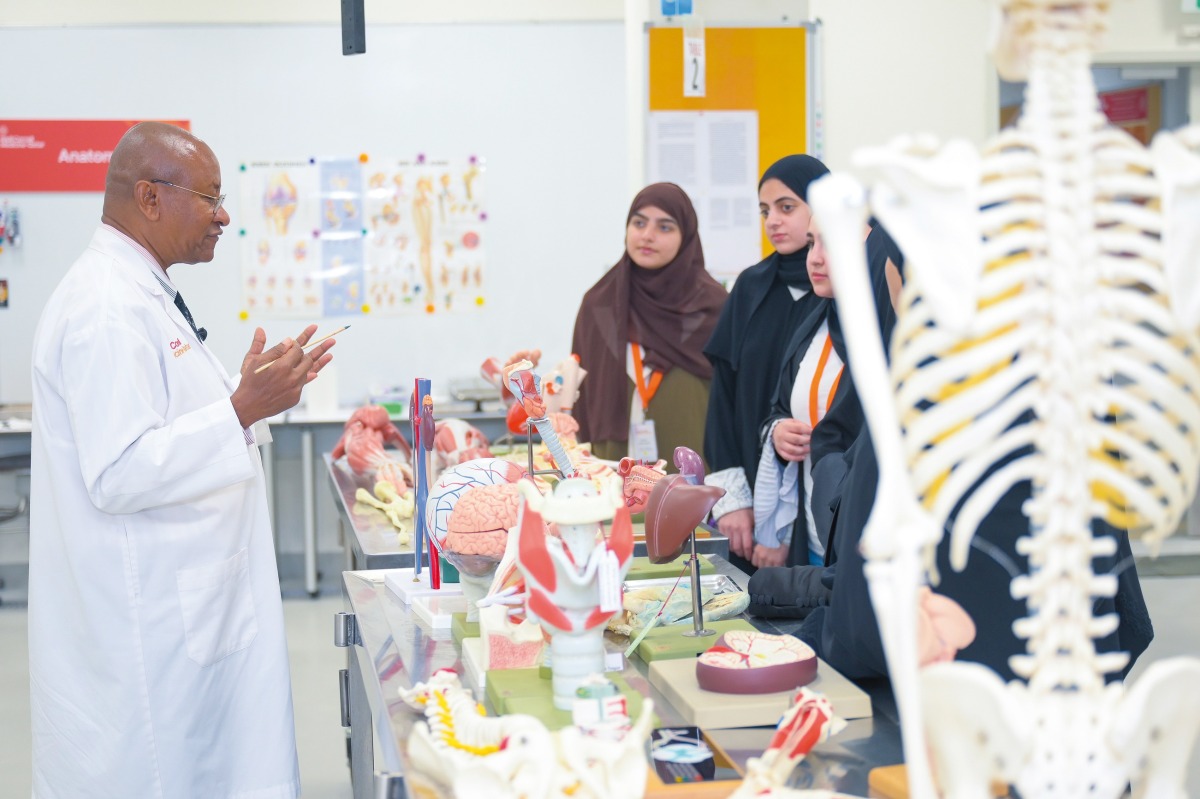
(280,239)
(341,238)
(425,235)
(331,237)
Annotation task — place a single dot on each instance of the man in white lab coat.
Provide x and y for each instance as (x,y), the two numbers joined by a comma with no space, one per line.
(158,665)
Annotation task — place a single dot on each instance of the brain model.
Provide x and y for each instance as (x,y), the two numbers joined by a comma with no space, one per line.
(479,524)
(451,488)
(453,483)
(750,662)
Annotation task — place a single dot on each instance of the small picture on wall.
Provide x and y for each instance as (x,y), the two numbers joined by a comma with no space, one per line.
(3,293)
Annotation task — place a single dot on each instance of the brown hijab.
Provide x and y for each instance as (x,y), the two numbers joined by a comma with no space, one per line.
(670,312)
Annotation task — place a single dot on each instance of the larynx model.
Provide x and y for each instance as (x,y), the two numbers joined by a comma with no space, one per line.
(574,581)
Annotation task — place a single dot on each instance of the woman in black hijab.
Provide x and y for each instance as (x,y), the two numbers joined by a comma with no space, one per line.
(768,301)
(839,619)
(815,414)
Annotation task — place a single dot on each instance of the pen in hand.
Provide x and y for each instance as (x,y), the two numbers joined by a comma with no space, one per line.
(309,345)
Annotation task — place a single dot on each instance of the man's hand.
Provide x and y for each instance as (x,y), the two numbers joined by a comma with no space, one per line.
(277,388)
(791,439)
(769,556)
(738,527)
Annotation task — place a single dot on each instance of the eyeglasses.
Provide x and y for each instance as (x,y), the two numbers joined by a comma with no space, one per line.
(216,201)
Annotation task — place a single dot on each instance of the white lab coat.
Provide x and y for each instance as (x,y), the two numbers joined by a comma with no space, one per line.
(158,666)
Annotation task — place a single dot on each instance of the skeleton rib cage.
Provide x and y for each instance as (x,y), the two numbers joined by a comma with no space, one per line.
(1073,375)
(1047,333)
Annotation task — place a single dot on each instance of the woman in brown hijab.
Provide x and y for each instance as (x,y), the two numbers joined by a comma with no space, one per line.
(640,335)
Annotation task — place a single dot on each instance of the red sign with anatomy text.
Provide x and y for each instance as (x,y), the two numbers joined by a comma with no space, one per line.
(60,154)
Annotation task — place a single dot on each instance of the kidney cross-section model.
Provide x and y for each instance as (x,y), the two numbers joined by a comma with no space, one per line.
(750,662)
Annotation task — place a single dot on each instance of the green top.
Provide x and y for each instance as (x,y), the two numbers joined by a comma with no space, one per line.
(678,409)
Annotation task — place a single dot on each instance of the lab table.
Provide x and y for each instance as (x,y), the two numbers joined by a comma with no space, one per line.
(370,542)
(16,438)
(390,649)
(367,535)
(16,433)
(307,424)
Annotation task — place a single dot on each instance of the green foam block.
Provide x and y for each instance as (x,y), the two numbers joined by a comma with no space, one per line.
(668,643)
(504,684)
(460,628)
(643,569)
(525,691)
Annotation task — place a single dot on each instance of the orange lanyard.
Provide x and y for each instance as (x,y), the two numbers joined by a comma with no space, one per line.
(814,389)
(645,392)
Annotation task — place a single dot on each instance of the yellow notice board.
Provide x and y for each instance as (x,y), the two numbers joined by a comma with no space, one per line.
(765,70)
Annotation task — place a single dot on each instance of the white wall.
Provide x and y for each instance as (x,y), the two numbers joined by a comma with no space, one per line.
(141,12)
(892,68)
(922,66)
(544,104)
(1149,31)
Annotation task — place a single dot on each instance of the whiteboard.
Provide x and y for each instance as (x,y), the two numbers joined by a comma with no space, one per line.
(543,103)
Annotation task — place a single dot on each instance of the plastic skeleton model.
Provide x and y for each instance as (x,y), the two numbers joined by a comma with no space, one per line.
(1047,333)
(457,739)
(465,753)
(573,582)
(397,507)
(527,386)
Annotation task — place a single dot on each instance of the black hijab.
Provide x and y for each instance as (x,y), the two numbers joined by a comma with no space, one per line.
(746,349)
(797,172)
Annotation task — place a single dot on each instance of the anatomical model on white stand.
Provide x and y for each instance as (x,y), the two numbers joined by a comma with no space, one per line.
(1049,325)
(574,581)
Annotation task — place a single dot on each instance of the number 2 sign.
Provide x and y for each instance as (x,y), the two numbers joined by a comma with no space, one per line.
(693,63)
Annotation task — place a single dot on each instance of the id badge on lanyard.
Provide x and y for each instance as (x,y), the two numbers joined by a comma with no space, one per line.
(643,443)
